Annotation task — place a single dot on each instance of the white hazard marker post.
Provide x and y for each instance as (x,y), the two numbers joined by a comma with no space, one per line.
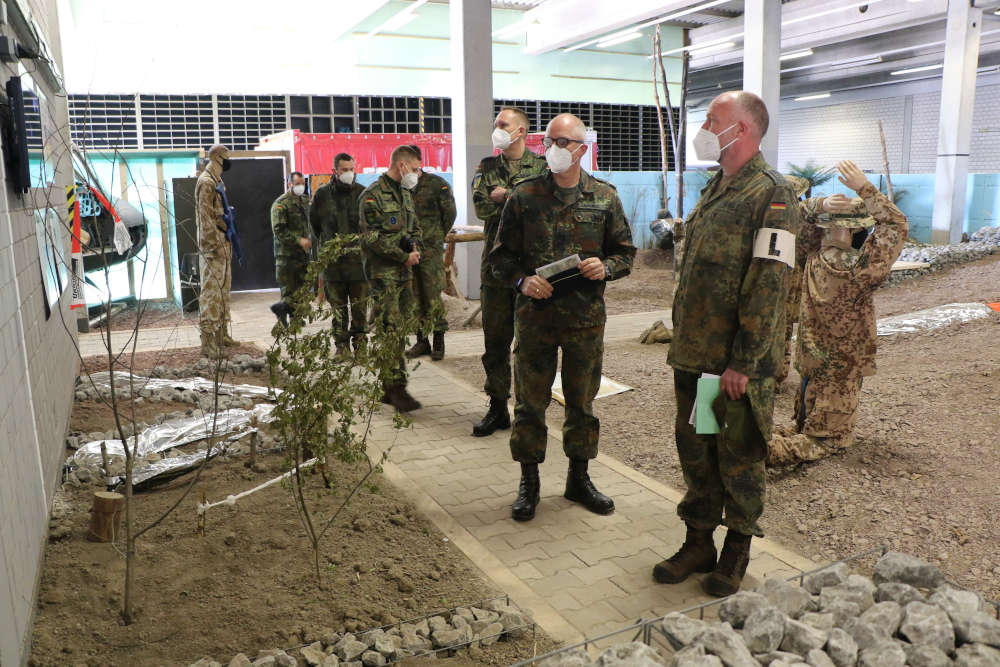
(76,258)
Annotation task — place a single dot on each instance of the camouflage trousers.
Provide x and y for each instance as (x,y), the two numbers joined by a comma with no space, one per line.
(428,283)
(338,292)
(498,334)
(724,473)
(783,371)
(393,308)
(828,408)
(536,352)
(290,275)
(213,300)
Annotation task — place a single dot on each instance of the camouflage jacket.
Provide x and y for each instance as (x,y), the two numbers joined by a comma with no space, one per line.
(387,216)
(289,223)
(539,226)
(808,211)
(211,227)
(492,173)
(334,212)
(434,203)
(837,323)
(729,309)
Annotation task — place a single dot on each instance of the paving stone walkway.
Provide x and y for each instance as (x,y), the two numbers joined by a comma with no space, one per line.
(579,574)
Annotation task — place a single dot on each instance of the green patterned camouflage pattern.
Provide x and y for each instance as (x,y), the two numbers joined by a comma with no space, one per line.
(333,213)
(434,203)
(496,172)
(387,215)
(541,224)
(498,334)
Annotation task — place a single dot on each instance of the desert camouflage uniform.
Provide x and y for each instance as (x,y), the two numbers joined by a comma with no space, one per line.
(435,206)
(794,300)
(289,223)
(540,224)
(334,212)
(836,340)
(729,314)
(216,257)
(497,298)
(386,210)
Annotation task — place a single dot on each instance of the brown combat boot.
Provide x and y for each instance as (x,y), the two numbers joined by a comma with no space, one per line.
(697,554)
(399,398)
(419,349)
(437,349)
(733,561)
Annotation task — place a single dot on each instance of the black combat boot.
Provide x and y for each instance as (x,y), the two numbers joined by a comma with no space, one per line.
(437,349)
(360,342)
(523,508)
(280,310)
(732,565)
(697,554)
(420,348)
(399,398)
(343,348)
(581,490)
(496,417)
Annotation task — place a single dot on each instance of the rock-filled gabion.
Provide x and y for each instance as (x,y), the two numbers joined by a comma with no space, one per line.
(906,614)
(472,626)
(984,242)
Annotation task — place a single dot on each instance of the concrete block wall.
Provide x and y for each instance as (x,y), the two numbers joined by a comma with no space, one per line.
(38,367)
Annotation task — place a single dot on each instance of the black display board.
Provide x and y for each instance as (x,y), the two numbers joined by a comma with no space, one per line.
(252,185)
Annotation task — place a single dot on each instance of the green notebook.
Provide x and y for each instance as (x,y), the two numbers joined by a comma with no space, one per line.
(704,418)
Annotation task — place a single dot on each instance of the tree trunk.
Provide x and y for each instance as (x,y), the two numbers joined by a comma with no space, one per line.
(664,200)
(885,164)
(129,545)
(105,516)
(682,130)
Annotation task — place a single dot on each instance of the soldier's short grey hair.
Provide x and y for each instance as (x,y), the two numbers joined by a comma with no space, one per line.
(579,128)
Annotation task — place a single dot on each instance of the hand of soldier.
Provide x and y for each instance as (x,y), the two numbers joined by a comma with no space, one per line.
(413,258)
(306,244)
(536,287)
(851,175)
(837,204)
(733,383)
(498,195)
(592,268)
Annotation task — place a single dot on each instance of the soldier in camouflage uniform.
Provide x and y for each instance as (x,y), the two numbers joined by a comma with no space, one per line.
(729,320)
(494,182)
(386,210)
(546,219)
(292,243)
(836,341)
(800,186)
(435,206)
(216,256)
(334,212)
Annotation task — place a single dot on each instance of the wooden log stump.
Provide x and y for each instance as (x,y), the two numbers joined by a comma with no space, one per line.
(105,516)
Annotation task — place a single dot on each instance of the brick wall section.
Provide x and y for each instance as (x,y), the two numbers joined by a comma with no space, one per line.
(38,366)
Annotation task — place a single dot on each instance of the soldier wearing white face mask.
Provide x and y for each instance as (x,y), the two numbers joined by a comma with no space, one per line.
(292,243)
(333,214)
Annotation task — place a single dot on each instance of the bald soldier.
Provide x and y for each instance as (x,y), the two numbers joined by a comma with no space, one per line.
(494,182)
(215,254)
(564,214)
(836,341)
(729,321)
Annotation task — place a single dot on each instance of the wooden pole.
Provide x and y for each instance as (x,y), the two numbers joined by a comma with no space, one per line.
(666,96)
(885,164)
(664,200)
(165,223)
(682,129)
(105,516)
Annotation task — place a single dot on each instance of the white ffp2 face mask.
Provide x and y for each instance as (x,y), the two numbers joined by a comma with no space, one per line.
(346,177)
(409,180)
(501,139)
(559,159)
(299,189)
(706,144)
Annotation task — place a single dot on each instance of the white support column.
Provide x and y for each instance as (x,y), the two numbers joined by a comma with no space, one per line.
(471,119)
(958,95)
(761,64)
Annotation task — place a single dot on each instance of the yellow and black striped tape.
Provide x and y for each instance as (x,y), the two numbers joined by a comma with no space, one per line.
(70,201)
(421,115)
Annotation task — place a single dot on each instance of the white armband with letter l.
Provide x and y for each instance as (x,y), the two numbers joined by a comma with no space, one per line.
(776,244)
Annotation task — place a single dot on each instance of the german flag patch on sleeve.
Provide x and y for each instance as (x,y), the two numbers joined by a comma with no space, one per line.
(778,206)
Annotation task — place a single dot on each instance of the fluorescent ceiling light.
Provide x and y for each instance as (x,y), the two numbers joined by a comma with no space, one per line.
(662,19)
(828,11)
(728,41)
(706,50)
(797,54)
(398,20)
(619,40)
(914,70)
(817,96)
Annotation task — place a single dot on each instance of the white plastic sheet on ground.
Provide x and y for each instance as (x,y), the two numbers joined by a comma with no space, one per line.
(175,433)
(608,388)
(932,318)
(102,380)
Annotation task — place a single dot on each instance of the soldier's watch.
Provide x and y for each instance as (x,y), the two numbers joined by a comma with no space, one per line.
(520,280)
(607,270)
